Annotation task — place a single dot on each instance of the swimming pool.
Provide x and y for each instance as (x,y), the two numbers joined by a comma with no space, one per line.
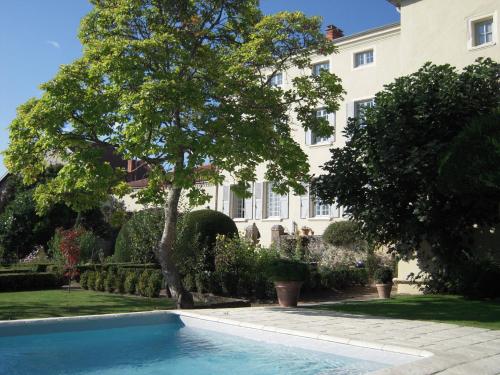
(167,343)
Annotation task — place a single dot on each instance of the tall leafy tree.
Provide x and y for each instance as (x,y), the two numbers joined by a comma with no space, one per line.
(176,83)
(421,167)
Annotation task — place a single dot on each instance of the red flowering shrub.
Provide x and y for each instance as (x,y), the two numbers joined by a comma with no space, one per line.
(70,250)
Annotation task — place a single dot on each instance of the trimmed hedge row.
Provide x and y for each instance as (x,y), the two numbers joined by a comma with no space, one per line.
(146,283)
(128,266)
(15,282)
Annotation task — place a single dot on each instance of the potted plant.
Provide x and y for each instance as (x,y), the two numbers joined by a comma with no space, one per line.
(288,277)
(383,279)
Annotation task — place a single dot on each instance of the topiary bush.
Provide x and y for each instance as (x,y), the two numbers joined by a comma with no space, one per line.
(342,233)
(120,281)
(154,283)
(99,281)
(138,238)
(130,283)
(142,284)
(91,280)
(84,278)
(110,281)
(287,270)
(383,275)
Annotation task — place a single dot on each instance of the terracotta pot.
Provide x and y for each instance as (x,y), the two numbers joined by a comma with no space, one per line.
(288,292)
(384,290)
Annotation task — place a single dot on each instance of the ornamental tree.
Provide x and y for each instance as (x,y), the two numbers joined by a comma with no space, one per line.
(70,250)
(422,166)
(176,84)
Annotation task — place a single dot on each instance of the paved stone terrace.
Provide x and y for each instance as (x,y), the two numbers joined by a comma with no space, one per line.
(456,349)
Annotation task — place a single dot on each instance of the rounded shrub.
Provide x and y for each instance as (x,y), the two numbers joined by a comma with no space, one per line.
(110,281)
(84,278)
(142,284)
(138,238)
(383,275)
(91,280)
(342,233)
(153,287)
(99,281)
(287,270)
(130,283)
(120,281)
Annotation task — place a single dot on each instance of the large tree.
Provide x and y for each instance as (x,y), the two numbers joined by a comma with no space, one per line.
(176,83)
(421,166)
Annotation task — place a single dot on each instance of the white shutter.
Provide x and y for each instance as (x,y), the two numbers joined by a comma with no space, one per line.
(258,201)
(350,109)
(304,205)
(225,199)
(334,211)
(284,206)
(249,205)
(308,137)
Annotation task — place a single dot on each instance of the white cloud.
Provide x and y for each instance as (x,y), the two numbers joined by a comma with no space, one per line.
(53,43)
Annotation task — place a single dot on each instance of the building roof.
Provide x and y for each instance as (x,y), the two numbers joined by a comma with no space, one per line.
(367,32)
(395,2)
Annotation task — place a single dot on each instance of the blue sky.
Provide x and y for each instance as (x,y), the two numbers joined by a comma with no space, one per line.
(36,37)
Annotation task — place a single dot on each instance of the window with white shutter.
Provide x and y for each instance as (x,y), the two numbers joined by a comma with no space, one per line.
(258,200)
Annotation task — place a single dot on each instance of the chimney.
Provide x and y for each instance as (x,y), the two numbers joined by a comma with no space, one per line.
(333,32)
(130,166)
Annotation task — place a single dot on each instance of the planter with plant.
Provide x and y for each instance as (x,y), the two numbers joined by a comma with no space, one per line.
(383,280)
(288,277)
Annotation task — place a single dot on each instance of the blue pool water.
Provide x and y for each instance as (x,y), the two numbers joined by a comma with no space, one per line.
(157,348)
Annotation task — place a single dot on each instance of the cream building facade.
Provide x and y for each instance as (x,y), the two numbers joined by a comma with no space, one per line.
(455,32)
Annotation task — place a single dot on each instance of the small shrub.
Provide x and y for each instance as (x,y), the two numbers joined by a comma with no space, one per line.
(120,281)
(84,278)
(287,270)
(383,275)
(110,281)
(154,282)
(342,233)
(142,284)
(131,282)
(91,280)
(99,281)
(91,246)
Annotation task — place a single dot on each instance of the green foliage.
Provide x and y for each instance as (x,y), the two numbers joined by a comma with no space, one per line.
(400,174)
(383,275)
(29,281)
(99,281)
(138,239)
(110,281)
(142,285)
(21,229)
(342,233)
(287,270)
(131,281)
(92,275)
(84,280)
(340,278)
(120,281)
(154,283)
(91,246)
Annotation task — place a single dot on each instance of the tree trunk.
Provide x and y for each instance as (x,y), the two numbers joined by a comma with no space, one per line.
(166,248)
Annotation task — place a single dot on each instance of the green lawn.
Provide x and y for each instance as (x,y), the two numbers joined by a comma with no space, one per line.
(53,303)
(437,308)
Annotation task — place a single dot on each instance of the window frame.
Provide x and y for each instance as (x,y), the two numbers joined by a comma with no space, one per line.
(235,209)
(323,140)
(273,76)
(364,54)
(313,66)
(362,100)
(472,36)
(276,198)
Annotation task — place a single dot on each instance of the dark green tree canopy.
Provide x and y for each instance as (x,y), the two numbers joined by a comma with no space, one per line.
(423,165)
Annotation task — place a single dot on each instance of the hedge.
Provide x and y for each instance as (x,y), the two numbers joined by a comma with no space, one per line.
(15,282)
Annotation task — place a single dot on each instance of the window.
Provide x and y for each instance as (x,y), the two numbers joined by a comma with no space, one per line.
(273,202)
(363,58)
(317,68)
(483,32)
(238,207)
(315,139)
(276,80)
(360,107)
(321,209)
